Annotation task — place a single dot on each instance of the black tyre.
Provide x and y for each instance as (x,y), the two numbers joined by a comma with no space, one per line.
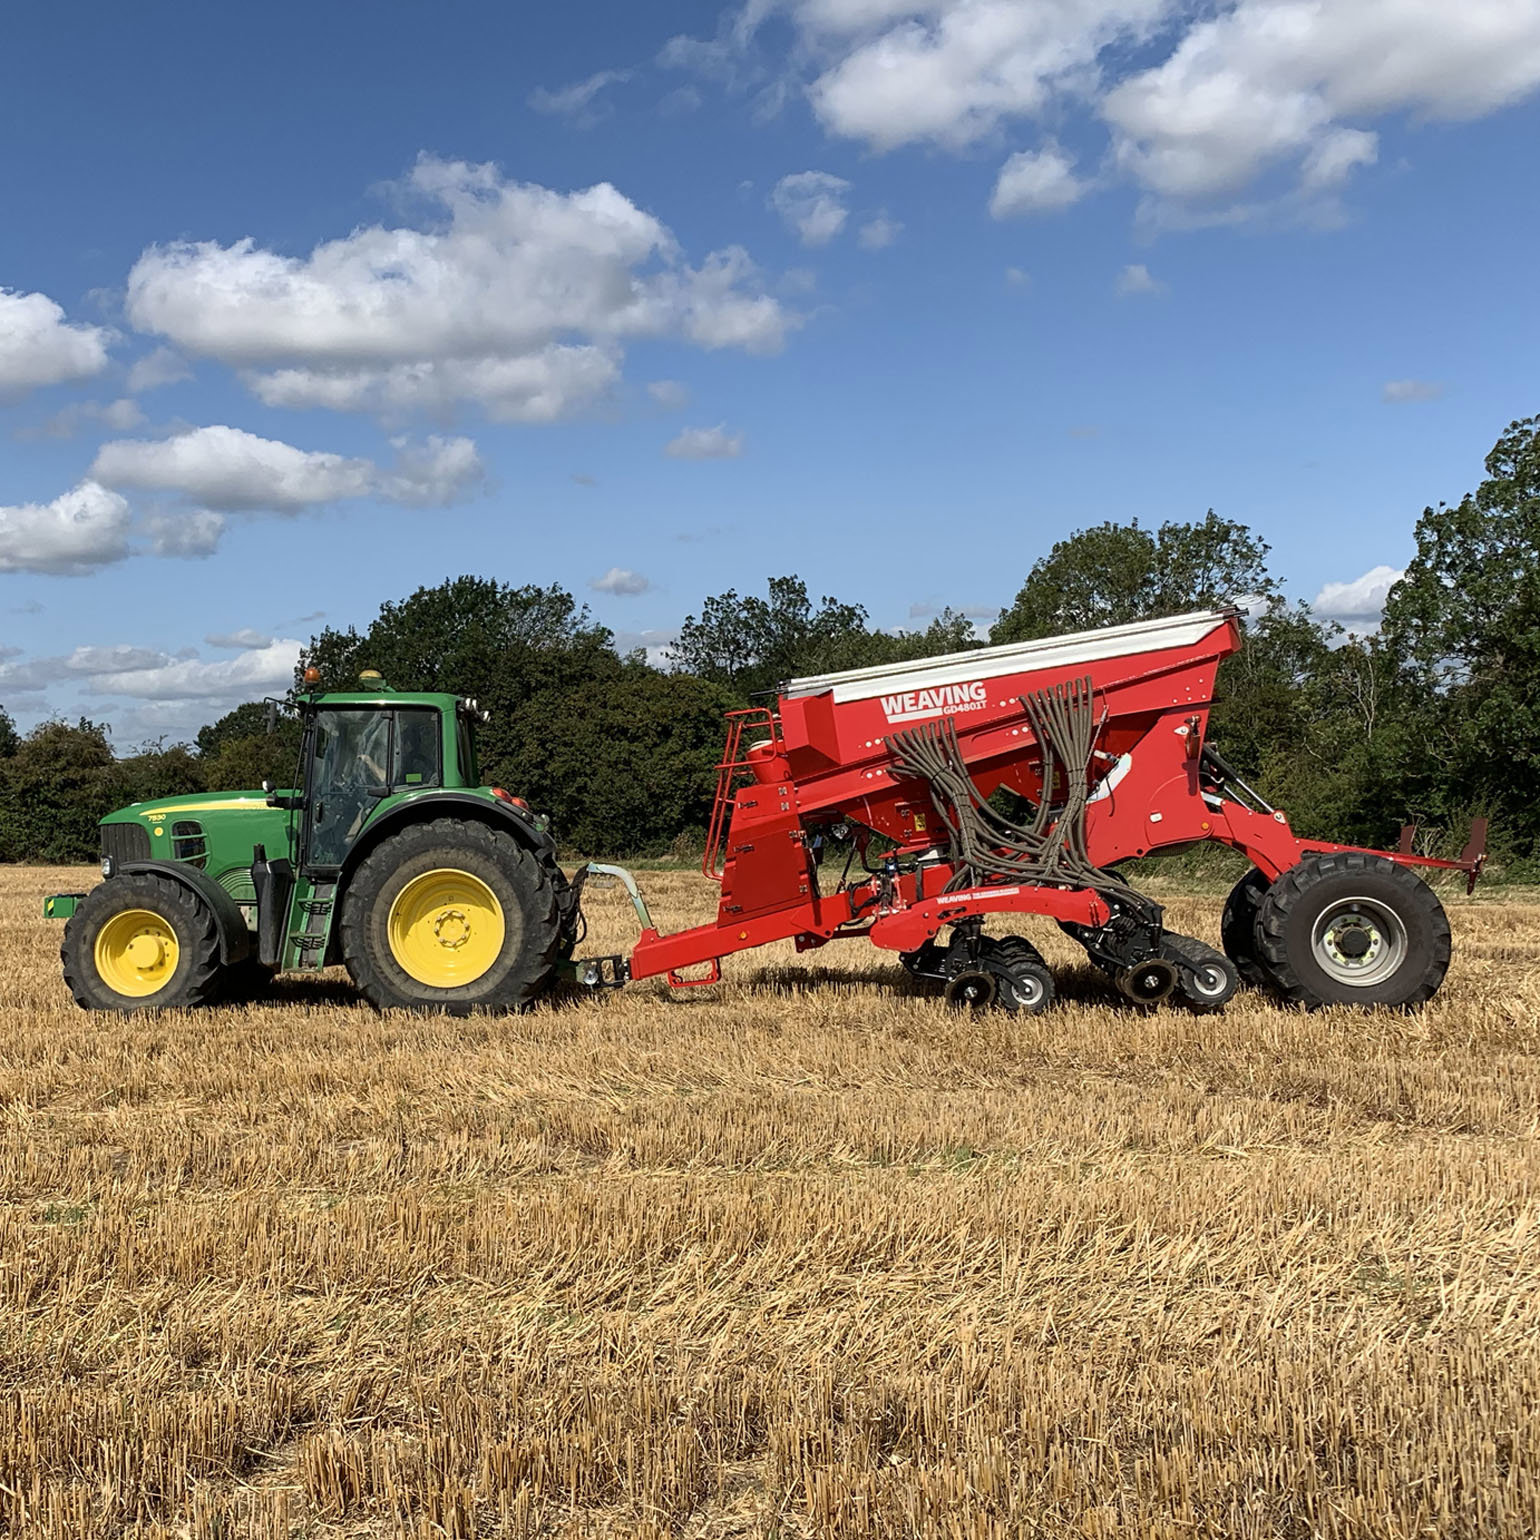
(451,916)
(1238,929)
(1352,929)
(141,942)
(1007,975)
(1026,983)
(1205,979)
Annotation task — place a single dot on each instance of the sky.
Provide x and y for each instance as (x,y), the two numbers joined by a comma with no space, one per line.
(302,308)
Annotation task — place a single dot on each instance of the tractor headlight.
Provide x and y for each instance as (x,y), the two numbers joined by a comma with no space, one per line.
(106,866)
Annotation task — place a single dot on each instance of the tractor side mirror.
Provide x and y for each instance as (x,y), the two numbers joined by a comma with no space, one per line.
(272,717)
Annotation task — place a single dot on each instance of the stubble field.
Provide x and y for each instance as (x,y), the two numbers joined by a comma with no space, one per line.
(799,1255)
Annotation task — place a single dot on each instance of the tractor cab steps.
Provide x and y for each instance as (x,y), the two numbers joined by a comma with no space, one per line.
(308,944)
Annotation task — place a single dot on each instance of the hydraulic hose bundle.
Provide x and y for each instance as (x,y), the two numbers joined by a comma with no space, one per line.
(985,845)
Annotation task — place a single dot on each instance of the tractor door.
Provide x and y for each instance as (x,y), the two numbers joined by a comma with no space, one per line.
(361,755)
(349,773)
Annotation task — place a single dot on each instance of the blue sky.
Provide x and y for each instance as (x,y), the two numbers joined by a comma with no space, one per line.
(299,313)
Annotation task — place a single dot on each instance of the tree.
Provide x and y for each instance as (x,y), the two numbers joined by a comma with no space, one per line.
(54,790)
(238,752)
(751,645)
(1464,622)
(1114,574)
(9,737)
(623,765)
(470,635)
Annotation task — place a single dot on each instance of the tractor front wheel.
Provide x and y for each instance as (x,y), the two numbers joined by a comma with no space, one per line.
(1353,929)
(141,942)
(451,916)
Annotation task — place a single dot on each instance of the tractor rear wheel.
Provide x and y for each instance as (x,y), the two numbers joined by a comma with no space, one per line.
(141,942)
(451,916)
(1238,929)
(1353,929)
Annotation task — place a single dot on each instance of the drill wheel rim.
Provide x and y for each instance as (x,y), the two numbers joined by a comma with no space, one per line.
(446,928)
(1359,941)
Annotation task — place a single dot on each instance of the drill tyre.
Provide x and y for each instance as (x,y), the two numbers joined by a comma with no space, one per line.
(1009,975)
(1205,979)
(1238,929)
(509,885)
(141,942)
(1354,929)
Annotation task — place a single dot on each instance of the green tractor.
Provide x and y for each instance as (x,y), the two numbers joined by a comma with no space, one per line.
(435,892)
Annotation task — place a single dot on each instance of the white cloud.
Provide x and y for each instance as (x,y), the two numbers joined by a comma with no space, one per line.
(1225,93)
(163,366)
(1018,277)
(576,100)
(1397,392)
(255,672)
(952,71)
(620,581)
(193,533)
(1269,82)
(229,470)
(1137,279)
(672,395)
(879,232)
(1358,604)
(245,638)
(85,528)
(121,416)
(705,444)
(39,347)
(1036,182)
(813,204)
(515,297)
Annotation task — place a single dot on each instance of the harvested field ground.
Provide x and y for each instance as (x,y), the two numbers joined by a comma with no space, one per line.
(798,1255)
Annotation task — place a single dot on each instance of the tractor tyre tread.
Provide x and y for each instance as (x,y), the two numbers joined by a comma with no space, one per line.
(526,885)
(1296,896)
(199,976)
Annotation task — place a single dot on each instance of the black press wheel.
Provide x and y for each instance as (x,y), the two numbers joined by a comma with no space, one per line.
(1008,974)
(1353,929)
(1238,929)
(141,942)
(1205,979)
(451,916)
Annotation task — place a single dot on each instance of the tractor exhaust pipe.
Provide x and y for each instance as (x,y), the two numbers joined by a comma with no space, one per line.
(1148,982)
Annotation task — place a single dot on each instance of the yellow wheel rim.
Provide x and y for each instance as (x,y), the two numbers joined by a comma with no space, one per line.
(446,928)
(136,953)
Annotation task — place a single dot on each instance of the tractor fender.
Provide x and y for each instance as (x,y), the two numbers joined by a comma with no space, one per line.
(448,804)
(236,941)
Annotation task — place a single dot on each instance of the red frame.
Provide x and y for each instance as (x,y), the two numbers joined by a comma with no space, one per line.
(823,760)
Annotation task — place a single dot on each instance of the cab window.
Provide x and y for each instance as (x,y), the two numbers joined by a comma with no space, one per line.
(465,742)
(418,762)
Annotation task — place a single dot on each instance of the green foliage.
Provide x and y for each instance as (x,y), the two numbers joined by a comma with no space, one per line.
(750,645)
(238,752)
(1464,625)
(626,764)
(472,636)
(1114,574)
(10,739)
(54,789)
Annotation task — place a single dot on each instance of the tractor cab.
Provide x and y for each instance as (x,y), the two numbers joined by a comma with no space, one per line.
(388,857)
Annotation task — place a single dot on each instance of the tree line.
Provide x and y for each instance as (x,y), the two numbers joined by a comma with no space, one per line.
(1435,717)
